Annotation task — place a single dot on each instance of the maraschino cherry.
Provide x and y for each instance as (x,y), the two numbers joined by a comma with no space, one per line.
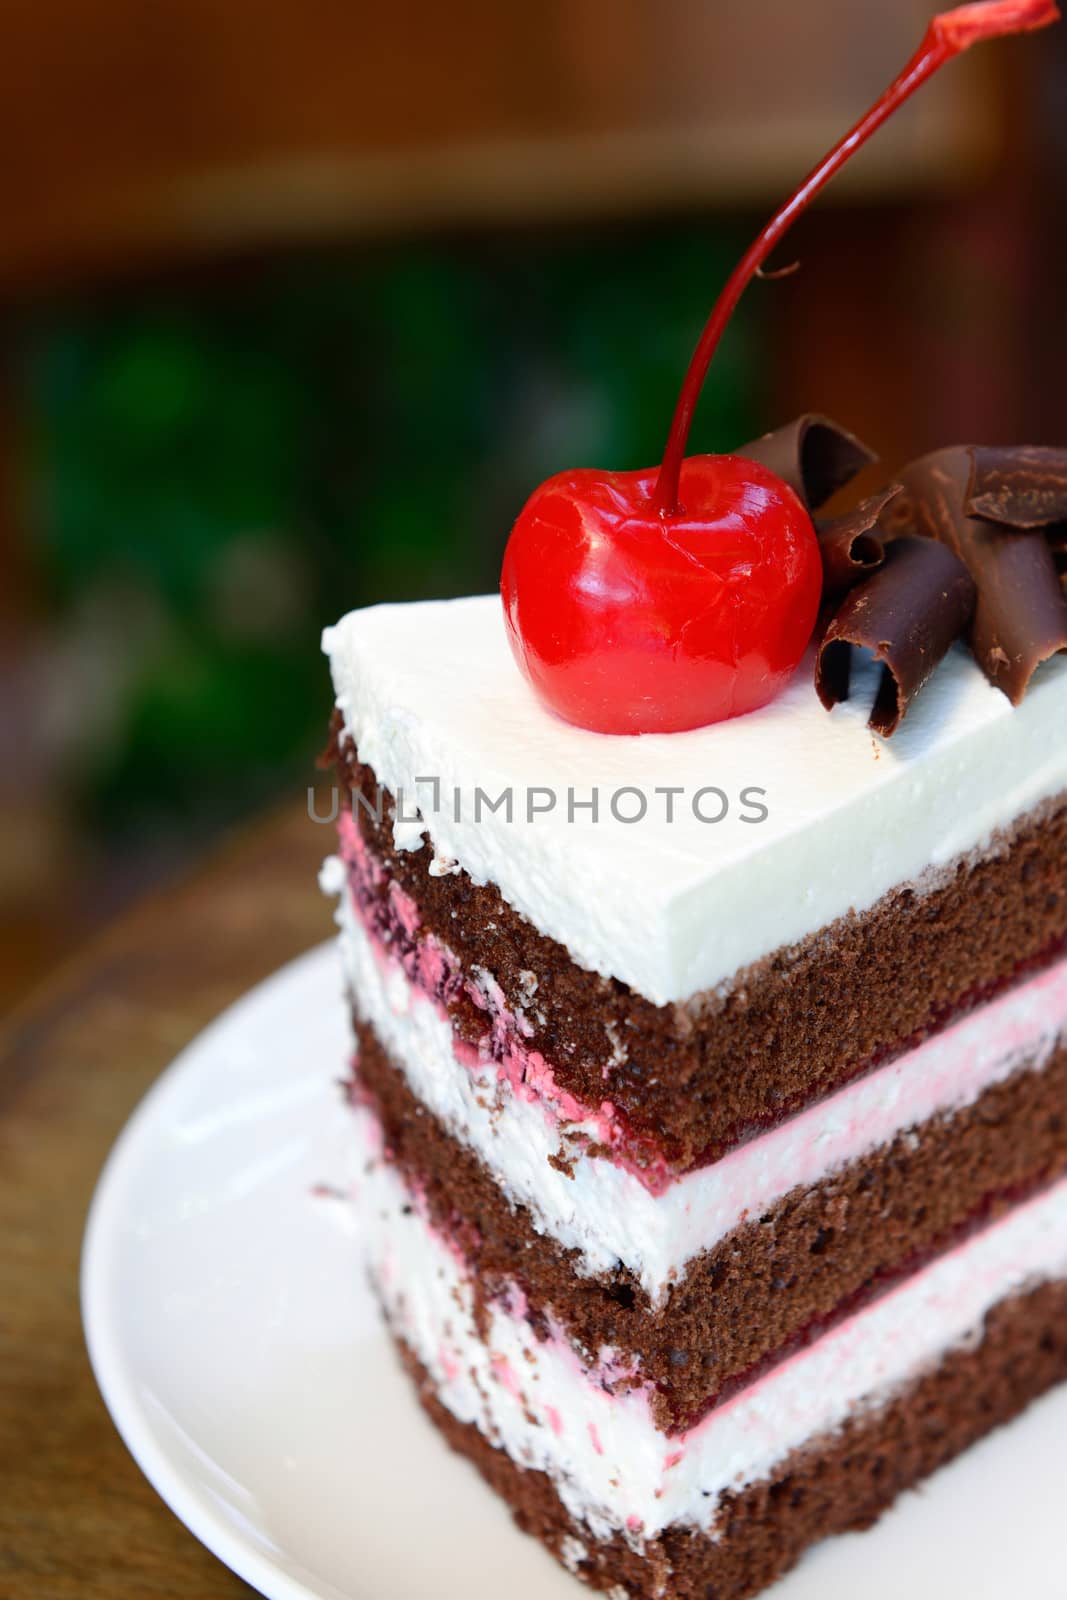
(665,599)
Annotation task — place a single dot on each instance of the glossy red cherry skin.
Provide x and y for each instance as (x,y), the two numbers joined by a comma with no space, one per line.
(626,621)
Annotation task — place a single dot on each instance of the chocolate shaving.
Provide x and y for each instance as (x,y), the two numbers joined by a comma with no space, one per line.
(852,546)
(1020,616)
(813,455)
(907,614)
(1025,487)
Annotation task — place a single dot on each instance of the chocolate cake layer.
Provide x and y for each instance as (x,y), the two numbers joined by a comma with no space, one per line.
(694,1079)
(840,1483)
(773,1282)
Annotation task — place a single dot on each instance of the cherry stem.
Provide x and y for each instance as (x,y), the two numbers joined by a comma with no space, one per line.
(947,35)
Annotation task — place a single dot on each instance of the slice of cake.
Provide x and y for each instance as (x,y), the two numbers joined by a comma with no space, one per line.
(712,1088)
(710,1004)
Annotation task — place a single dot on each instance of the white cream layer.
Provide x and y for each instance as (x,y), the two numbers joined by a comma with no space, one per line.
(606,1213)
(430,692)
(614,1470)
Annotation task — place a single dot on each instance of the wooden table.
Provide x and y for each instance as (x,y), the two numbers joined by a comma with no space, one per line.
(76,1516)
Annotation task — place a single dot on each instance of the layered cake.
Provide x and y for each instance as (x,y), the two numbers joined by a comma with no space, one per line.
(716,1168)
(703,907)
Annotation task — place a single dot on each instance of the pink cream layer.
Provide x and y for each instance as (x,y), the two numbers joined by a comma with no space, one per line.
(535,1397)
(391,918)
(1018,1029)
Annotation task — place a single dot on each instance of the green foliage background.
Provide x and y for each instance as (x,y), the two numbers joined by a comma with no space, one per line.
(219,469)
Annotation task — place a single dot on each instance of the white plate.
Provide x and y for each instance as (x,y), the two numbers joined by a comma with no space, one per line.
(243,1362)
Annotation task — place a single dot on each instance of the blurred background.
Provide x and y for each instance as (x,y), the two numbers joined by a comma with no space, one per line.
(297,304)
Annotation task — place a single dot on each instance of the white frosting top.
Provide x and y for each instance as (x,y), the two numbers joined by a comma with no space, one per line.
(672,904)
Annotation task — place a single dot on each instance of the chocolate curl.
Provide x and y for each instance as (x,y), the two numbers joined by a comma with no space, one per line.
(1020,616)
(852,546)
(1025,487)
(906,615)
(813,455)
